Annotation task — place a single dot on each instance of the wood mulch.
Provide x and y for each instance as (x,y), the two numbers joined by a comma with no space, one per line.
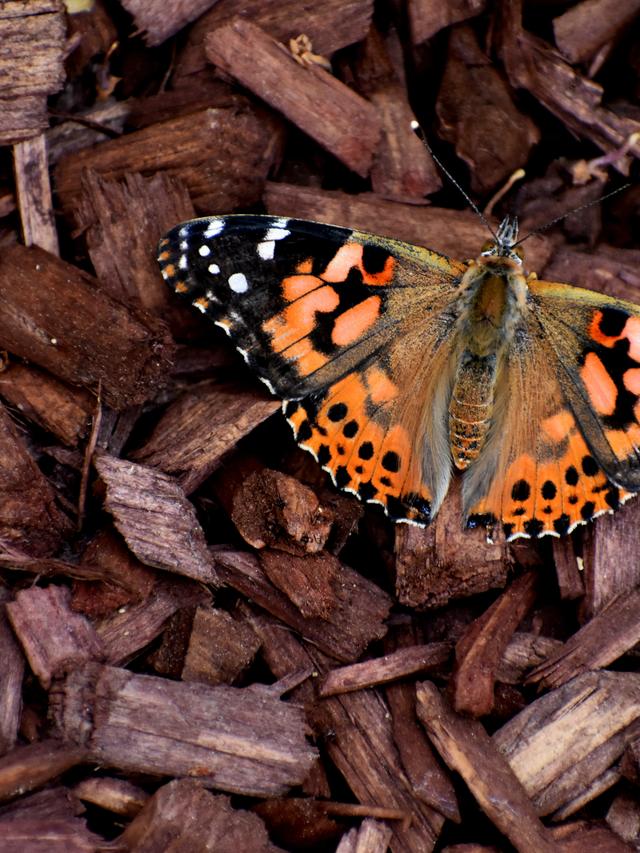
(203,645)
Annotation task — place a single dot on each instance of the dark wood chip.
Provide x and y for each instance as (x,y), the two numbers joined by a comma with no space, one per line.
(244,741)
(57,316)
(157,22)
(11,674)
(220,647)
(427,17)
(323,107)
(586,27)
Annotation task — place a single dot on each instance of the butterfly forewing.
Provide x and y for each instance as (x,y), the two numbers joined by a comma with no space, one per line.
(344,325)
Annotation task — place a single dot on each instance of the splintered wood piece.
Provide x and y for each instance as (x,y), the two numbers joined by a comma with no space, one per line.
(53,637)
(467,749)
(133,627)
(271,509)
(403,168)
(11,674)
(29,767)
(583,29)
(28,31)
(155,518)
(395,665)
(359,741)
(477,114)
(458,233)
(33,190)
(372,837)
(335,116)
(444,561)
(356,619)
(195,819)
(222,155)
(157,22)
(114,795)
(29,514)
(67,835)
(59,408)
(481,647)
(122,221)
(570,582)
(522,654)
(54,802)
(55,315)
(220,647)
(312,582)
(575,100)
(564,741)
(581,836)
(243,741)
(609,568)
(603,639)
(427,17)
(196,431)
(330,26)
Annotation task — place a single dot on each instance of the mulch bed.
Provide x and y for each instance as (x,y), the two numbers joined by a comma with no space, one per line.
(204,645)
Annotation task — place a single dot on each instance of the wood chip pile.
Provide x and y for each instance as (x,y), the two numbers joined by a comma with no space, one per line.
(203,645)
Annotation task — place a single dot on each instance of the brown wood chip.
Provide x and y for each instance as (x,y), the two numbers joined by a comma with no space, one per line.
(245,741)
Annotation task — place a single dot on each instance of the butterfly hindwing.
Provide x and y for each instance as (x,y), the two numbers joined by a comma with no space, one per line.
(341,324)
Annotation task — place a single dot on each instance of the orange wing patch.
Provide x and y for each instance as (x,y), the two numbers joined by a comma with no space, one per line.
(351,256)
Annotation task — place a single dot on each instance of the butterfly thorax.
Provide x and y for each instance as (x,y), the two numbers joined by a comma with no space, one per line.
(492,298)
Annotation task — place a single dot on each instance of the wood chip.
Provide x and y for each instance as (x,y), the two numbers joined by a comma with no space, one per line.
(481,647)
(11,674)
(372,837)
(29,513)
(220,647)
(477,114)
(200,427)
(157,22)
(55,315)
(586,27)
(523,653)
(458,233)
(195,820)
(323,107)
(357,616)
(54,638)
(29,30)
(59,408)
(243,741)
(34,194)
(467,748)
(156,520)
(29,767)
(369,673)
(560,743)
(601,641)
(221,155)
(113,795)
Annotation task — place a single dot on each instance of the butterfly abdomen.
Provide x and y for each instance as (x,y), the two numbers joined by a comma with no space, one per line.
(471,408)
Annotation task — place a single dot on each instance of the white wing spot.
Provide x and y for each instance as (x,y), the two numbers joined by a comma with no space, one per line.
(276,234)
(266,250)
(238,282)
(281,222)
(214,269)
(204,250)
(184,231)
(182,263)
(184,245)
(214,227)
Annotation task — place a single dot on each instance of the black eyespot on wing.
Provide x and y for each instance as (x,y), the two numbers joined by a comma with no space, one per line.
(571,476)
(521,490)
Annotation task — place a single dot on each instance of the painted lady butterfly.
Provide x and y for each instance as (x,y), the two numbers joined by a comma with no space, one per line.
(397,364)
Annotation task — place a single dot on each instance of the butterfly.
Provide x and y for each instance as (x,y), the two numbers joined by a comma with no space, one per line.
(398,365)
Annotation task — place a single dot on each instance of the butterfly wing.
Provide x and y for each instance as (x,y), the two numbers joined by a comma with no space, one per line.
(352,330)
(564,447)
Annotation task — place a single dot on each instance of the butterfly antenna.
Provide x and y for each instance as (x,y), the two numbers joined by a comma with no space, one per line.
(570,212)
(415,127)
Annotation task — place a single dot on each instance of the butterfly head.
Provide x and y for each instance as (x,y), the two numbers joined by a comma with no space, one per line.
(505,243)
